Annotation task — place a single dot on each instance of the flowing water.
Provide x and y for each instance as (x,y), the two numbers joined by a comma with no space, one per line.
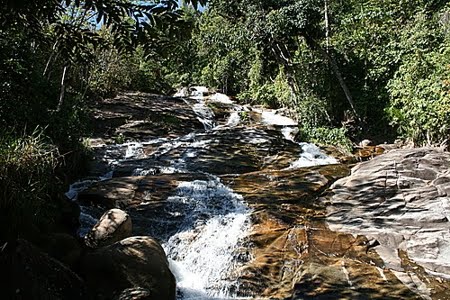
(207,248)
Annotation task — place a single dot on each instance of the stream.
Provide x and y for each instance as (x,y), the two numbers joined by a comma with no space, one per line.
(245,211)
(204,223)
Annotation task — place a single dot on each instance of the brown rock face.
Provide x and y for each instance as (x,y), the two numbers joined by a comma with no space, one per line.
(136,263)
(294,254)
(140,115)
(113,226)
(401,199)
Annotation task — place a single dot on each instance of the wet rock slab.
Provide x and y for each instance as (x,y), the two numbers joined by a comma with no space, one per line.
(225,151)
(136,115)
(402,200)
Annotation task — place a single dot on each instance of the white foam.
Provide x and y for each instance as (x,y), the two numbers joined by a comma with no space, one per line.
(289,132)
(202,256)
(234,119)
(312,156)
(273,118)
(133,150)
(78,187)
(222,98)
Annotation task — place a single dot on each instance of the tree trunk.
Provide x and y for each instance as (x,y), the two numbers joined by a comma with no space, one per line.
(62,89)
(47,65)
(327,27)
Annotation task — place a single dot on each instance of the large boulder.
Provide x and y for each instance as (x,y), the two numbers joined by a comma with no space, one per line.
(133,264)
(113,226)
(29,273)
(62,246)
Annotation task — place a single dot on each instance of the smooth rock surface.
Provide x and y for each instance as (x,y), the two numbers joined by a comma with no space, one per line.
(113,226)
(133,264)
(401,199)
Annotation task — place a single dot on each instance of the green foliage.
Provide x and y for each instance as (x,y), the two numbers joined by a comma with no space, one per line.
(272,94)
(420,97)
(313,112)
(223,53)
(326,136)
(28,183)
(244,116)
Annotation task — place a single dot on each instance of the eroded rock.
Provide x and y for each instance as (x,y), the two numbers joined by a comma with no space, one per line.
(401,199)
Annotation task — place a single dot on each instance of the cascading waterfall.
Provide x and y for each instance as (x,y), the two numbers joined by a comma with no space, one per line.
(311,154)
(205,251)
(202,253)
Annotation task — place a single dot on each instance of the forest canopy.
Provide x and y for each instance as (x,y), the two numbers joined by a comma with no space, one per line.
(381,66)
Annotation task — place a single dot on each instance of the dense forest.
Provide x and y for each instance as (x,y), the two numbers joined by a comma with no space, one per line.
(347,70)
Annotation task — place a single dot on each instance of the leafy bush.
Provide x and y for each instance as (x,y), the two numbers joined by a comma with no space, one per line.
(420,97)
(274,93)
(326,136)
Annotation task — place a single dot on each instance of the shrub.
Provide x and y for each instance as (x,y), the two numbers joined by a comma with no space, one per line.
(420,97)
(326,136)
(28,184)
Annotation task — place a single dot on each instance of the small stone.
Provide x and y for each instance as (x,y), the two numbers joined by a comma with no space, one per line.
(112,227)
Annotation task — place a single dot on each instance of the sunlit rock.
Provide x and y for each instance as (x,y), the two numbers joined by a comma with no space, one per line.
(402,200)
(113,226)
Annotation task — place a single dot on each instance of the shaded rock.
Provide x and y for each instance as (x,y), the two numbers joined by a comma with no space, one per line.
(288,194)
(32,274)
(113,226)
(136,262)
(132,191)
(134,294)
(117,193)
(69,216)
(62,246)
(401,199)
